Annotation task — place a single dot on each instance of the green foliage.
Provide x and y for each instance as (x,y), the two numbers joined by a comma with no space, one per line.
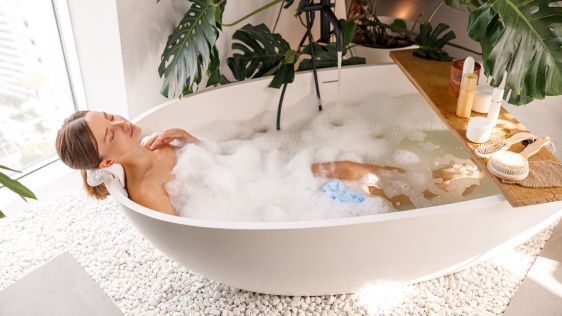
(300,7)
(371,32)
(286,70)
(348,31)
(430,44)
(190,49)
(457,4)
(461,4)
(524,39)
(213,72)
(260,51)
(400,24)
(15,186)
(326,56)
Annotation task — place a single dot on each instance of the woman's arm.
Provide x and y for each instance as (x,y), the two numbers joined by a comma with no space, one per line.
(346,170)
(343,170)
(170,135)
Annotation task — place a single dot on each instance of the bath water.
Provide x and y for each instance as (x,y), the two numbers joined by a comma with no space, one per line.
(248,171)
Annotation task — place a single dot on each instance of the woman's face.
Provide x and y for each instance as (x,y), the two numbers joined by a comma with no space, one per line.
(115,135)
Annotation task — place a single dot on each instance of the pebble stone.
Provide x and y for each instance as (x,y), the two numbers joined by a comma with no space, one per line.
(142,281)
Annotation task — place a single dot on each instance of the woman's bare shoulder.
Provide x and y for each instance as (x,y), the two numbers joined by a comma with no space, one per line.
(154,198)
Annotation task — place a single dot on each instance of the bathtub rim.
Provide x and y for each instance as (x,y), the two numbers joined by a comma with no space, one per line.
(120,198)
(248,80)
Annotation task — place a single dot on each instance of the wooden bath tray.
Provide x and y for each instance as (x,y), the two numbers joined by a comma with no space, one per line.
(431,78)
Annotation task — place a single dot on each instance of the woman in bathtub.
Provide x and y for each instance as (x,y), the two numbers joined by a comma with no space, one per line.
(89,140)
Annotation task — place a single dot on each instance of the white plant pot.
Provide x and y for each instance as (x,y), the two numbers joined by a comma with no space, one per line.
(380,55)
(376,56)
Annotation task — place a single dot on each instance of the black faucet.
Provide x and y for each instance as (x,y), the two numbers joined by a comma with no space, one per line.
(327,17)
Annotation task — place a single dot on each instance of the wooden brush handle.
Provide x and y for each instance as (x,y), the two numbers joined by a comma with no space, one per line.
(519,137)
(535,147)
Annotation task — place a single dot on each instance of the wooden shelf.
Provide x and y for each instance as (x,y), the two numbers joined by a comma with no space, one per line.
(431,78)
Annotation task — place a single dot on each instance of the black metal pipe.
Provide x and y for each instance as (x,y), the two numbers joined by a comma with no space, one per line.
(324,22)
(313,7)
(323,7)
(280,106)
(329,14)
(327,17)
(313,59)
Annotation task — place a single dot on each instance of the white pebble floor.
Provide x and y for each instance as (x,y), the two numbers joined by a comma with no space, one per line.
(142,281)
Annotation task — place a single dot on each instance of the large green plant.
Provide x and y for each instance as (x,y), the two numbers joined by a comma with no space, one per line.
(520,38)
(15,186)
(524,40)
(259,52)
(372,32)
(191,49)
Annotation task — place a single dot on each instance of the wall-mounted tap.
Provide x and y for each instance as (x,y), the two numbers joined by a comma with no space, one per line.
(327,17)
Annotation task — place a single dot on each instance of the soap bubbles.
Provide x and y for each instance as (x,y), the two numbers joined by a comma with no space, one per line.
(246,171)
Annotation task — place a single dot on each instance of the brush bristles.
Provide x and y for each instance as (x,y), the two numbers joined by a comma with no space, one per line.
(508,165)
(490,147)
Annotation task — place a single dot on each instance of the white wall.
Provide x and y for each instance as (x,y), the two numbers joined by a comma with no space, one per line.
(144,26)
(96,35)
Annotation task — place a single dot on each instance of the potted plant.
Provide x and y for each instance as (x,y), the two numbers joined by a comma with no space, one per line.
(191,53)
(520,39)
(15,186)
(373,39)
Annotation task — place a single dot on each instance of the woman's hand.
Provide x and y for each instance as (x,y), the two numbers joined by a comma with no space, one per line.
(169,135)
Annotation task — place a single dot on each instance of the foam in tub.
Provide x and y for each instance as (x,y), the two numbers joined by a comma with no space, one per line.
(257,174)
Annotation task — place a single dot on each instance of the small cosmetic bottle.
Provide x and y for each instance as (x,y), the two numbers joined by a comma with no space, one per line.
(495,105)
(466,94)
(482,99)
(479,129)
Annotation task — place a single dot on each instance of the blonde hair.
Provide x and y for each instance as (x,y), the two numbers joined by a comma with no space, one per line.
(77,148)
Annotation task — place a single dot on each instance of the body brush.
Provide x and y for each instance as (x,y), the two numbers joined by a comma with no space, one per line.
(514,166)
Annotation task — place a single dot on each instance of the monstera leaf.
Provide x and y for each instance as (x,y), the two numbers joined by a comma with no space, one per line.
(213,72)
(190,49)
(326,56)
(524,39)
(260,51)
(286,70)
(430,44)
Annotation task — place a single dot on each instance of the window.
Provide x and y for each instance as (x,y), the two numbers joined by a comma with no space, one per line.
(35,90)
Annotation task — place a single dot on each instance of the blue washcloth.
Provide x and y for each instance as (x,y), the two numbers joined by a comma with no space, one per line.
(337,191)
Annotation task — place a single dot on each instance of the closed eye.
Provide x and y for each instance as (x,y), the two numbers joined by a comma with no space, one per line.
(111,119)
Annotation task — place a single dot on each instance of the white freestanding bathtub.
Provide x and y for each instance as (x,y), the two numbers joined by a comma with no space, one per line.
(334,255)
